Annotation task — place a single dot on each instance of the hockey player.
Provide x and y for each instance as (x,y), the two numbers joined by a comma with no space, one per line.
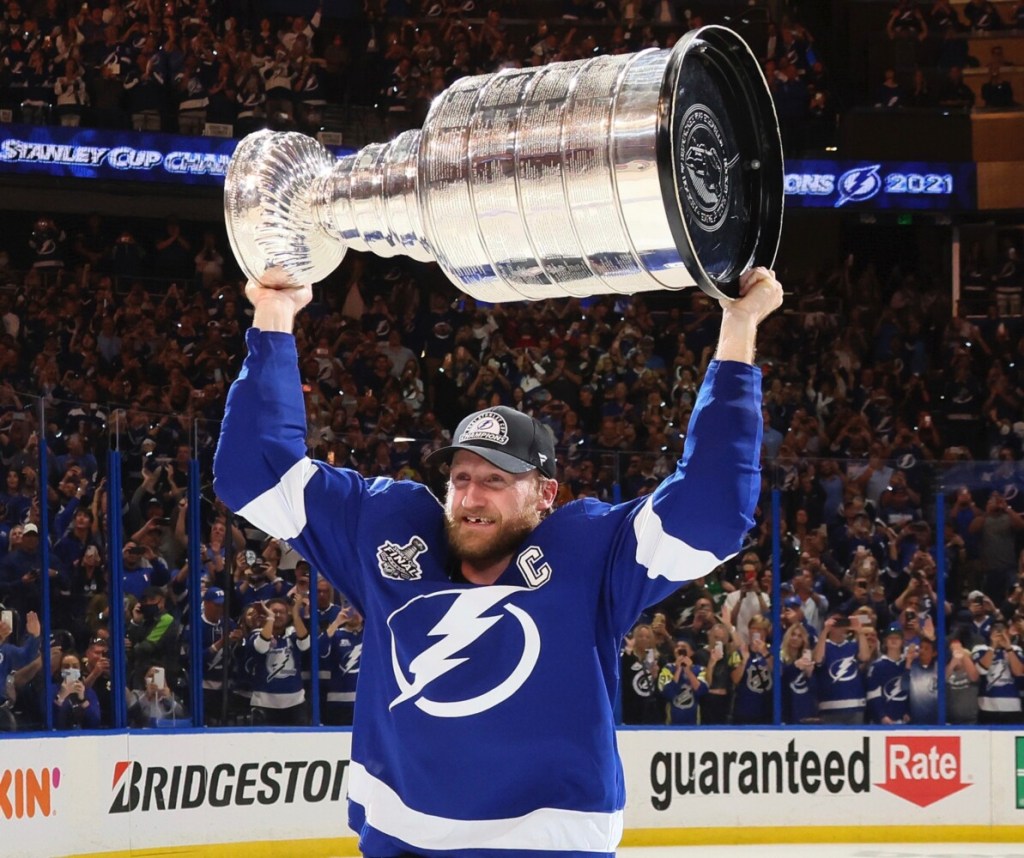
(484,722)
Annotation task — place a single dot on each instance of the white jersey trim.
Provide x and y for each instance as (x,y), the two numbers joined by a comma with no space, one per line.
(999,704)
(546,828)
(275,700)
(850,703)
(281,510)
(665,555)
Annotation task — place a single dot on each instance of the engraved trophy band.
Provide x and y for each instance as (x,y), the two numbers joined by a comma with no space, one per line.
(616,174)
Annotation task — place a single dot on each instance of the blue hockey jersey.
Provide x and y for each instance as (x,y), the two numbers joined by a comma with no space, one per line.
(886,687)
(484,722)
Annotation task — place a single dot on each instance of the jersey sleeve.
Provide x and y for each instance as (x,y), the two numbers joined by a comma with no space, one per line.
(697,517)
(261,470)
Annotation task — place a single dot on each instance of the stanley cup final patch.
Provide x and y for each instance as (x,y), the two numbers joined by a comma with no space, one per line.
(486,426)
(704,167)
(399,561)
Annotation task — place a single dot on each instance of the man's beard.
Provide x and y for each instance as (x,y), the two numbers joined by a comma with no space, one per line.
(503,543)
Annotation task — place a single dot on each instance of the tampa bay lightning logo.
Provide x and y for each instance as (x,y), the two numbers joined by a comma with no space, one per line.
(859,184)
(489,426)
(461,652)
(895,690)
(843,669)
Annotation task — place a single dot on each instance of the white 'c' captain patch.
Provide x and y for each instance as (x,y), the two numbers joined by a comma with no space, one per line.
(488,426)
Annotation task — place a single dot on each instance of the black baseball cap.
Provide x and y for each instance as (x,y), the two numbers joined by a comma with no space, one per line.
(508,439)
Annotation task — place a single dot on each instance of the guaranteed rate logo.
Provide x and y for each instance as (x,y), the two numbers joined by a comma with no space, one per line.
(765,772)
(28,793)
(149,788)
(923,769)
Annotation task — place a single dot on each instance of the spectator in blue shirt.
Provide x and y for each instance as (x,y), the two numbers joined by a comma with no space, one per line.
(799,681)
(1001,664)
(278,697)
(681,683)
(841,656)
(886,683)
(14,656)
(75,705)
(752,675)
(981,612)
(218,633)
(341,646)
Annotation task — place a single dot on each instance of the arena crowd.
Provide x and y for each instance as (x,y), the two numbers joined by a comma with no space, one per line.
(879,398)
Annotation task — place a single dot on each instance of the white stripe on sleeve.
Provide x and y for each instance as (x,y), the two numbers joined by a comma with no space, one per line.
(281,510)
(547,828)
(665,555)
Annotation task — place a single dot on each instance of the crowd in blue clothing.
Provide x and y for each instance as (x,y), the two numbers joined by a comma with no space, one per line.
(176,66)
(876,402)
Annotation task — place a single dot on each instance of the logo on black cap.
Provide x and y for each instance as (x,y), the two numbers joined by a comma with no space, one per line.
(486,426)
(704,168)
(508,439)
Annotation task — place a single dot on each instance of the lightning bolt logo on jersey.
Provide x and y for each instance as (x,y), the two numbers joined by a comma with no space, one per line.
(843,669)
(518,677)
(842,682)
(491,648)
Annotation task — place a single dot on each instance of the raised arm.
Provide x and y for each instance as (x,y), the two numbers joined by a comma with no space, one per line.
(760,295)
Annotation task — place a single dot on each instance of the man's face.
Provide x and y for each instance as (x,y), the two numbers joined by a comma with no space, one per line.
(488,511)
(97,650)
(702,610)
(280,614)
(643,640)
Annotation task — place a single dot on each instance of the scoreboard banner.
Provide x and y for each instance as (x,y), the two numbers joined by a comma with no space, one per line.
(97,153)
(881,185)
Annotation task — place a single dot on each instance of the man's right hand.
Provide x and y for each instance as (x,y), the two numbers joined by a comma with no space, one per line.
(276,300)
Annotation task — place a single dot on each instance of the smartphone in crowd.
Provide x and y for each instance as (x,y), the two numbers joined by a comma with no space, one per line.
(159,678)
(71,674)
(7,618)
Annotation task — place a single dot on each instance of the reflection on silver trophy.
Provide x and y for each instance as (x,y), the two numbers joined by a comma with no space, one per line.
(617,174)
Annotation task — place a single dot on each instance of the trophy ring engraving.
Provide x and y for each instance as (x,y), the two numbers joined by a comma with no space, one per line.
(616,174)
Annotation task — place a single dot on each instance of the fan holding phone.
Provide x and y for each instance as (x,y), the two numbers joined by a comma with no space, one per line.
(75,707)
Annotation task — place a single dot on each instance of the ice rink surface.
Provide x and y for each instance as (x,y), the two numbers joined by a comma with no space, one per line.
(834,850)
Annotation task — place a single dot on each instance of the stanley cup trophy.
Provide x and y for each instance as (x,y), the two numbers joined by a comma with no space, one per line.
(611,175)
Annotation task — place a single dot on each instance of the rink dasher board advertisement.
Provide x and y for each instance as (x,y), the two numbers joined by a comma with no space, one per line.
(691,778)
(151,792)
(119,793)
